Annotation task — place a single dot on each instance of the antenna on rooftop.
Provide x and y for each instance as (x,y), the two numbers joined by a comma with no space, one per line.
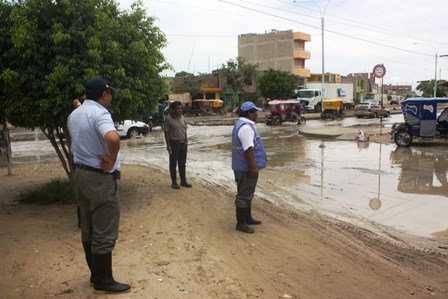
(191,56)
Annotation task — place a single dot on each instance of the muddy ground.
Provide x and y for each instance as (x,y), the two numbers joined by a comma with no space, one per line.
(183,244)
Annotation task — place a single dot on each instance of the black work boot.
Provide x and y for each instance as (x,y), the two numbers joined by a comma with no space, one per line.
(78,215)
(241,224)
(184,183)
(174,184)
(88,252)
(104,281)
(183,178)
(249,219)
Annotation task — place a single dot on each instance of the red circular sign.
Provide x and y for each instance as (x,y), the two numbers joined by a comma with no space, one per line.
(379,71)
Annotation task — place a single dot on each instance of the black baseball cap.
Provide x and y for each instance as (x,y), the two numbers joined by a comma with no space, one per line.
(96,86)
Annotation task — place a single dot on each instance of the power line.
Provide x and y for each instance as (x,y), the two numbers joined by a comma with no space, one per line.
(348,22)
(331,31)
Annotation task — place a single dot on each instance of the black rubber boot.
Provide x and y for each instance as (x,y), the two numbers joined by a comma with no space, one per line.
(88,252)
(183,178)
(104,282)
(249,219)
(174,184)
(185,184)
(241,224)
(78,215)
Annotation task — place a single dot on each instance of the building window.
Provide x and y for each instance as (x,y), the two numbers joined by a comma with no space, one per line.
(298,44)
(299,62)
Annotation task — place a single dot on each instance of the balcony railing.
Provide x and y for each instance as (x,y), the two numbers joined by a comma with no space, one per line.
(300,53)
(301,71)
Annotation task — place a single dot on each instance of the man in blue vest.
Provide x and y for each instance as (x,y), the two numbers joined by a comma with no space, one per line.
(248,157)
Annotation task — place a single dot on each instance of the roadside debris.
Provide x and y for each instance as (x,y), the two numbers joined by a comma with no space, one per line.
(362,137)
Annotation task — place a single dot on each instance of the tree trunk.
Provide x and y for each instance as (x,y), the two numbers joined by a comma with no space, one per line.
(61,143)
(7,147)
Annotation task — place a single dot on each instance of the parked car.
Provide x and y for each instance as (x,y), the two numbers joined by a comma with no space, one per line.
(421,121)
(371,110)
(130,128)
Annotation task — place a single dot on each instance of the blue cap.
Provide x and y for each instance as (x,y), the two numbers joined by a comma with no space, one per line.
(248,106)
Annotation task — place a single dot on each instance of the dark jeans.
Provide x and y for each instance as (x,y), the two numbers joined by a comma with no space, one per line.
(178,157)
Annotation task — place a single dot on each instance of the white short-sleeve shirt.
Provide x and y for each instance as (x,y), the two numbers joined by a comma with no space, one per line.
(88,125)
(246,134)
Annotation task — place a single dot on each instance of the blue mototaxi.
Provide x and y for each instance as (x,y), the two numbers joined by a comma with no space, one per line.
(421,121)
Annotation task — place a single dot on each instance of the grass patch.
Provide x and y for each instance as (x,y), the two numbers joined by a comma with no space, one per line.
(55,191)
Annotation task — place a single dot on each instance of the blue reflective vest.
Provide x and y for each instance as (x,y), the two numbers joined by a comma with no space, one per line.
(239,162)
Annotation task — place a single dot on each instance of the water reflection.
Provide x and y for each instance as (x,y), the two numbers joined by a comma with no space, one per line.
(421,174)
(373,185)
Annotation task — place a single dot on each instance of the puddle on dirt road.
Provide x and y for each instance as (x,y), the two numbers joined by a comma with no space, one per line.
(372,185)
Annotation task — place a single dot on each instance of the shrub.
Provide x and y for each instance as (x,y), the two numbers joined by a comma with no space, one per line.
(55,191)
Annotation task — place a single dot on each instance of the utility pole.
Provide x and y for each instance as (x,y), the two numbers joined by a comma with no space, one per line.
(322,26)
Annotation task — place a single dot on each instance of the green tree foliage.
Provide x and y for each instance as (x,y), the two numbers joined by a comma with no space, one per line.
(427,87)
(238,74)
(51,48)
(5,43)
(188,82)
(275,84)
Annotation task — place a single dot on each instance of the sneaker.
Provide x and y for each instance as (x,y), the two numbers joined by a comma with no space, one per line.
(186,185)
(175,186)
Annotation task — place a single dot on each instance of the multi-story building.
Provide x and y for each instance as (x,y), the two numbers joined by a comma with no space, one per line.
(329,78)
(279,50)
(399,90)
(365,86)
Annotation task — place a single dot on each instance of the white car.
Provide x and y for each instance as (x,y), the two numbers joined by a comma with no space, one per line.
(131,128)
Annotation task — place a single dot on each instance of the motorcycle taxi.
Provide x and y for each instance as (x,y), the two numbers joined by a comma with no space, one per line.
(156,118)
(198,107)
(285,111)
(421,121)
(332,109)
(217,106)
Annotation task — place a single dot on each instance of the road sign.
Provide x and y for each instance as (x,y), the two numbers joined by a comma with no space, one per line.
(379,71)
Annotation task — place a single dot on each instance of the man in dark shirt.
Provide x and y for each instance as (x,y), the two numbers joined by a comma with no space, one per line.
(177,144)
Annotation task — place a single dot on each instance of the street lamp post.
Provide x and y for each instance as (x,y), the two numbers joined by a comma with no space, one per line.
(322,16)
(436,51)
(435,77)
(437,54)
(442,56)
(322,26)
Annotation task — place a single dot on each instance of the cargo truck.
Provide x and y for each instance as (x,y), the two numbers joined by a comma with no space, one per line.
(312,94)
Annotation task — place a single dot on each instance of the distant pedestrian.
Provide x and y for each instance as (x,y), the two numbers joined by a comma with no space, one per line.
(176,139)
(248,158)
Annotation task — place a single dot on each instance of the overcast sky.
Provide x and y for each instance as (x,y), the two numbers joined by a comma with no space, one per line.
(404,35)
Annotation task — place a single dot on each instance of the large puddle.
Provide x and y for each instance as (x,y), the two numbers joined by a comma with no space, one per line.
(372,185)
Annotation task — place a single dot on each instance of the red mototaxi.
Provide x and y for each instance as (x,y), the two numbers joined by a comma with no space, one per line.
(283,111)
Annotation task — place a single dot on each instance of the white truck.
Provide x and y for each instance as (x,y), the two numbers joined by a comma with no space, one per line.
(312,94)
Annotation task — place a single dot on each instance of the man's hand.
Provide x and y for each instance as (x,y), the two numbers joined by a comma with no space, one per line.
(113,147)
(106,163)
(249,154)
(254,173)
